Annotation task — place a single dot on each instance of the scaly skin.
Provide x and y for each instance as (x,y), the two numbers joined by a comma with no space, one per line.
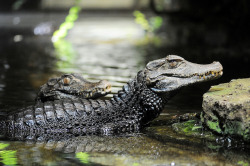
(72,86)
(139,102)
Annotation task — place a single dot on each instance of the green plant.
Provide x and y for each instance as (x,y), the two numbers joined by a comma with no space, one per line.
(156,22)
(68,23)
(150,25)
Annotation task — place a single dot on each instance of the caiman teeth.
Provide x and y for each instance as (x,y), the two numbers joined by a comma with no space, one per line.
(208,74)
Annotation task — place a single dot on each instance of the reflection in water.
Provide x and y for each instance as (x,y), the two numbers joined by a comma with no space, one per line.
(16,20)
(65,55)
(7,157)
(120,150)
(44,28)
(83,157)
(17,38)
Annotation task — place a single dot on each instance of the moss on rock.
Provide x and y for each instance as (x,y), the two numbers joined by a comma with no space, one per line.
(226,108)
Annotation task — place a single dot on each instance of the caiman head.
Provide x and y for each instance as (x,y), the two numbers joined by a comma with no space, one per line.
(72,86)
(174,72)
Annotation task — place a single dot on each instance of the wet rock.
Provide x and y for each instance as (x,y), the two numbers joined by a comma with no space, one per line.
(226,108)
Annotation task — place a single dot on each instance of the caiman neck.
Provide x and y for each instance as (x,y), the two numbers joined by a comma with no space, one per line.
(136,101)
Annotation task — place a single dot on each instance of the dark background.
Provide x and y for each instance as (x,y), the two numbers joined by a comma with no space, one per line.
(199,31)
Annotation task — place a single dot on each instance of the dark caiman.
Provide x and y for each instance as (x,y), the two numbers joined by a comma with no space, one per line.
(72,86)
(140,101)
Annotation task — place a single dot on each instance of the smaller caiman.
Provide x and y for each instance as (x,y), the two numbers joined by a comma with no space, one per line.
(72,86)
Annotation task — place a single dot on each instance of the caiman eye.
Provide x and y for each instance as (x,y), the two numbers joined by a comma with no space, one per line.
(172,63)
(66,81)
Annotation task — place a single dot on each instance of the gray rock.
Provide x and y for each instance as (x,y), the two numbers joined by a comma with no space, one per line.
(226,108)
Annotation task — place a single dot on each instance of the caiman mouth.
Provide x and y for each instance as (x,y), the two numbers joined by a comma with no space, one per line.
(204,76)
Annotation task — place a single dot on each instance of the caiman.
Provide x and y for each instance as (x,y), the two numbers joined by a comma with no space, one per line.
(72,86)
(140,101)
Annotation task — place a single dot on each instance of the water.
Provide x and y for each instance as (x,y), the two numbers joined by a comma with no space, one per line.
(107,48)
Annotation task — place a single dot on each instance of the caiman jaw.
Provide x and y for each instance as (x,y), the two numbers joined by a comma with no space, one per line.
(174,72)
(95,92)
(214,73)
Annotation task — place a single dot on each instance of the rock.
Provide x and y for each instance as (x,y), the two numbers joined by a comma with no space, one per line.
(226,108)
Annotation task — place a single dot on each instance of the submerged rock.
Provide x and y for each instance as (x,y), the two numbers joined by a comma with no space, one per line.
(226,108)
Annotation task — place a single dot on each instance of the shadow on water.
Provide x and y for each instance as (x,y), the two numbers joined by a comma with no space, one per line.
(27,64)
